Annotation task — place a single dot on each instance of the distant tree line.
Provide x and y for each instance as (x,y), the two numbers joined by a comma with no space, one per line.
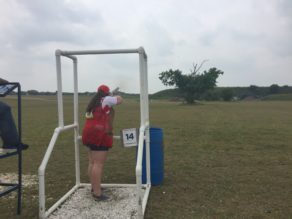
(228,93)
(202,86)
(214,94)
(86,93)
(252,91)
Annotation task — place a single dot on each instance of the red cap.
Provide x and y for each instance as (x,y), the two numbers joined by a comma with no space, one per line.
(105,89)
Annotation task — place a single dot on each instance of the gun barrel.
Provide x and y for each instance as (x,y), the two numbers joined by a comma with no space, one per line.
(115,90)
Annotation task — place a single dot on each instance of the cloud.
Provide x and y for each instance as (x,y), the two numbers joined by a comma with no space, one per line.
(249,40)
(47,22)
(285,8)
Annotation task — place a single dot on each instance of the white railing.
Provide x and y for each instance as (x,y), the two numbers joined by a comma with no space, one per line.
(42,170)
(144,135)
(142,197)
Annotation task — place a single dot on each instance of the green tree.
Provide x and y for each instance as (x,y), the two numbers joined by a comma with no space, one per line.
(211,95)
(274,89)
(227,94)
(193,85)
(32,92)
(254,90)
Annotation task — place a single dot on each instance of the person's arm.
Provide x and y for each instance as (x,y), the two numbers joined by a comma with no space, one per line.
(2,81)
(111,101)
(119,99)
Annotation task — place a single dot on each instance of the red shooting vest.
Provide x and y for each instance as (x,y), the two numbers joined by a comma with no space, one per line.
(98,127)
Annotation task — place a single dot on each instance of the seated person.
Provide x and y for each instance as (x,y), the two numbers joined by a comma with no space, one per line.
(8,131)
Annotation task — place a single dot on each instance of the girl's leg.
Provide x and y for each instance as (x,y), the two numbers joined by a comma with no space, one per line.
(98,159)
(90,164)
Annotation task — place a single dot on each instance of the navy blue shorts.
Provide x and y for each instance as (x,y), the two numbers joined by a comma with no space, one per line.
(94,147)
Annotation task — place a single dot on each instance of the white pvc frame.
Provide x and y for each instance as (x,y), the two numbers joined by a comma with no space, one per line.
(142,197)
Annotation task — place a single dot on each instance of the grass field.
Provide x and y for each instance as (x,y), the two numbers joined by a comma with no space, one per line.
(222,160)
(281,97)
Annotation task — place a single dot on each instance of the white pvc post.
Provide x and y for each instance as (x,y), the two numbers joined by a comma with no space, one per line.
(59,85)
(139,173)
(147,131)
(144,112)
(76,121)
(142,86)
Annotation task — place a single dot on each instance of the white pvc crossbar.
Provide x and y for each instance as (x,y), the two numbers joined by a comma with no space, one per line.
(101,52)
(144,135)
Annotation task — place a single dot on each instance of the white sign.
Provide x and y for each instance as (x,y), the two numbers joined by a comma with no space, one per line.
(129,137)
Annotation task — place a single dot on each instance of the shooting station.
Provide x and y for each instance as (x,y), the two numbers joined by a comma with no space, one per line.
(136,203)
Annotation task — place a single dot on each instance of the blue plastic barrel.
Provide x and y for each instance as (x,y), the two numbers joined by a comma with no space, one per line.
(156,157)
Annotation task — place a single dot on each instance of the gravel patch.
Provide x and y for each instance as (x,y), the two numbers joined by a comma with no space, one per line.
(81,205)
(27,181)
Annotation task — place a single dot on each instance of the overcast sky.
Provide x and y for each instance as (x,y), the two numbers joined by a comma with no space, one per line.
(249,40)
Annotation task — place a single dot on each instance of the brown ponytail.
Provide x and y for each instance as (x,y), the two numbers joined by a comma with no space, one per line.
(95,101)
